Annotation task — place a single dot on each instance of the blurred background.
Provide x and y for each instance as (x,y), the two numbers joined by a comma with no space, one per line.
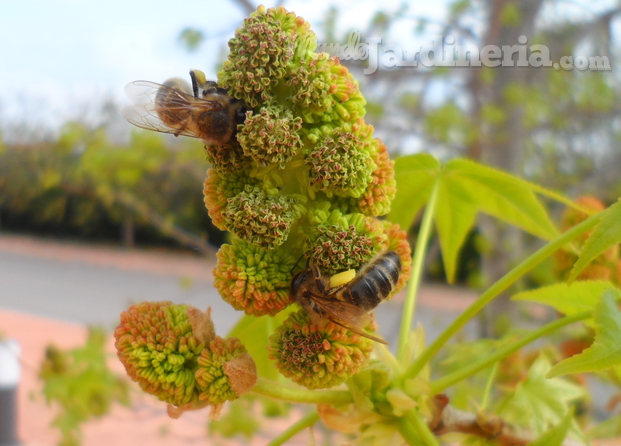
(80,187)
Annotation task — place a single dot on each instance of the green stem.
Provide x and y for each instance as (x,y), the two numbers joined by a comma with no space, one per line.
(294,429)
(497,288)
(272,389)
(439,385)
(421,428)
(407,432)
(409,306)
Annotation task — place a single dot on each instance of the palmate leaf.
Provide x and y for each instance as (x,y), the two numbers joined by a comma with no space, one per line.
(464,189)
(570,299)
(538,402)
(415,175)
(503,196)
(556,435)
(454,218)
(605,352)
(606,234)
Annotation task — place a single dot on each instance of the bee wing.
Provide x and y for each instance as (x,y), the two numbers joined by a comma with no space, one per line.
(346,315)
(143,112)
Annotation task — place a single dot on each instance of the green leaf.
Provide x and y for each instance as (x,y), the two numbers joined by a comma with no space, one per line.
(605,235)
(605,352)
(455,215)
(556,435)
(503,196)
(570,299)
(254,333)
(415,175)
(539,402)
(466,188)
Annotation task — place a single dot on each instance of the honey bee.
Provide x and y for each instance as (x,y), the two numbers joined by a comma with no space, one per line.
(205,111)
(348,305)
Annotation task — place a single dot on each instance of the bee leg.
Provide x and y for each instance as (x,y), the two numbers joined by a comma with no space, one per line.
(359,331)
(318,280)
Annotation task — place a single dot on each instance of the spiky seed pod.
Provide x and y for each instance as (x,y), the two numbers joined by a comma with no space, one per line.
(225,371)
(217,190)
(317,355)
(271,136)
(159,349)
(254,279)
(262,51)
(258,218)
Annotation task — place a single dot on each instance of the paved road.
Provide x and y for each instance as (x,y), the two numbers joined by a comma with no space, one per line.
(92,285)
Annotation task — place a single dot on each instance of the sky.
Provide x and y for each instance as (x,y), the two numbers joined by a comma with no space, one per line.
(58,55)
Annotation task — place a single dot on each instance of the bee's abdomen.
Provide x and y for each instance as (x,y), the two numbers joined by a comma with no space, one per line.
(376,282)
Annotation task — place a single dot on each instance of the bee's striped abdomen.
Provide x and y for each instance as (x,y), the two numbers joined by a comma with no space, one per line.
(375,282)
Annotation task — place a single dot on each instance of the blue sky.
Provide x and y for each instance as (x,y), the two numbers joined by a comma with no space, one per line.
(58,55)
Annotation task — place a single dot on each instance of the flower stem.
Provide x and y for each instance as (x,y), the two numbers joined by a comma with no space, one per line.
(439,385)
(307,421)
(407,432)
(272,389)
(421,428)
(497,288)
(409,306)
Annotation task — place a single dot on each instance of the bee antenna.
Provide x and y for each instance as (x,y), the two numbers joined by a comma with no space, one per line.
(296,264)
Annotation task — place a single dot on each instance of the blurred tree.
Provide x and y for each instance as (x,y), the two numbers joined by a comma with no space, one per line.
(548,124)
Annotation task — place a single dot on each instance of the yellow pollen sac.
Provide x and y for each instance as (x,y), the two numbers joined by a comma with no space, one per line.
(342,278)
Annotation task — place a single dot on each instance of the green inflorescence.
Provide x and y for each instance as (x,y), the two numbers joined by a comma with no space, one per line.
(156,344)
(317,355)
(271,136)
(254,279)
(172,352)
(304,180)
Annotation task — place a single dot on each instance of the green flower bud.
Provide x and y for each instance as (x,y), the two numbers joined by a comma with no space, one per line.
(323,90)
(341,163)
(271,136)
(159,349)
(258,218)
(225,371)
(261,53)
(317,355)
(376,199)
(343,241)
(217,190)
(254,279)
